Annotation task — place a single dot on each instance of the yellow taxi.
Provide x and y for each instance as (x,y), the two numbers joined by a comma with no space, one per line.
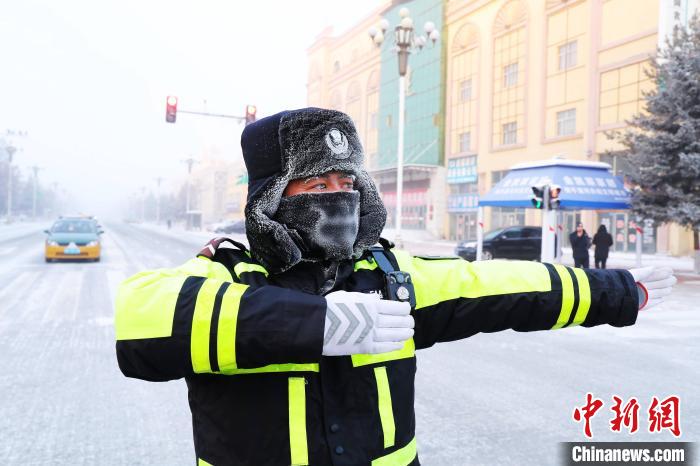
(73,238)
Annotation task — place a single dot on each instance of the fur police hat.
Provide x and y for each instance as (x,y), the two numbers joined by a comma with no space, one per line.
(299,144)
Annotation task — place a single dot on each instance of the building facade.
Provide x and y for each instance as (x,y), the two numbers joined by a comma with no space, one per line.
(512,81)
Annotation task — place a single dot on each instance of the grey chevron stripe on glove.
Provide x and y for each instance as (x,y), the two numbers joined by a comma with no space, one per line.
(360,323)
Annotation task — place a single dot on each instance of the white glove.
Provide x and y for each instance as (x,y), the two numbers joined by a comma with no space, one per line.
(362,323)
(656,283)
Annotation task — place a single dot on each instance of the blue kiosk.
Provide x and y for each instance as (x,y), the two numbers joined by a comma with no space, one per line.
(584,185)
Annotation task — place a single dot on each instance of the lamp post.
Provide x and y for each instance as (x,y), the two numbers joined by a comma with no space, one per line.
(35,179)
(158,181)
(10,152)
(189,161)
(405,43)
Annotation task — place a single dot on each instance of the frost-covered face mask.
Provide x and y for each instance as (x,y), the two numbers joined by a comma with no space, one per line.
(323,225)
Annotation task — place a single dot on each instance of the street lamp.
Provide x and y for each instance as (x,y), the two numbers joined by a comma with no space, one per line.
(189,161)
(158,181)
(35,179)
(10,152)
(405,42)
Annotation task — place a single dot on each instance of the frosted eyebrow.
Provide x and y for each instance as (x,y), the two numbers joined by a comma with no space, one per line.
(313,178)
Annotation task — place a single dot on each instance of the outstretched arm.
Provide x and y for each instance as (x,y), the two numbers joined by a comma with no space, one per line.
(457,299)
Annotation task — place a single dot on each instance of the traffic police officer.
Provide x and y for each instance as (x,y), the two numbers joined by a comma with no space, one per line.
(302,349)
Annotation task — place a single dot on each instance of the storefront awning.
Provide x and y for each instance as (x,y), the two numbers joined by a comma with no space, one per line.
(584,185)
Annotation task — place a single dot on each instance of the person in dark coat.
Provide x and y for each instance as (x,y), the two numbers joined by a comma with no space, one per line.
(580,242)
(602,241)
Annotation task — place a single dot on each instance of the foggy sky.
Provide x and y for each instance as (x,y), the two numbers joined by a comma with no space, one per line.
(88,80)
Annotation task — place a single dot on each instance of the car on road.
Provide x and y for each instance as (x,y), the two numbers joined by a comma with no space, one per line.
(73,238)
(235,226)
(517,242)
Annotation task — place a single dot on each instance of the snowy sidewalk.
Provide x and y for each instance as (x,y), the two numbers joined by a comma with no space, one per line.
(200,237)
(423,242)
(19,229)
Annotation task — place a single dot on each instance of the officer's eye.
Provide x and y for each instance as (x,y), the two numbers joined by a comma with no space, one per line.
(318,186)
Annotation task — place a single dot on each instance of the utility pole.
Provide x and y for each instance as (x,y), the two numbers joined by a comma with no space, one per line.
(189,161)
(35,170)
(143,204)
(158,181)
(10,151)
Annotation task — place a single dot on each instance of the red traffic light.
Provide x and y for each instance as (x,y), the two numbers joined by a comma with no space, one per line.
(554,201)
(554,191)
(250,111)
(171,109)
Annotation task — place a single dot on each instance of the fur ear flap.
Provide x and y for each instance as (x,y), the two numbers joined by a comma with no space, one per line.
(372,214)
(270,241)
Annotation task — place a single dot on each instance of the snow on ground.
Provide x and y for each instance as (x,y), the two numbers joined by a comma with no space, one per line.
(504,398)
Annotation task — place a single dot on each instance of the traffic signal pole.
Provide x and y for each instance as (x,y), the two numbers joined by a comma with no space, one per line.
(209,114)
(549,225)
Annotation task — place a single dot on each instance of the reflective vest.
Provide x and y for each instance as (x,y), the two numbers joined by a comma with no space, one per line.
(250,351)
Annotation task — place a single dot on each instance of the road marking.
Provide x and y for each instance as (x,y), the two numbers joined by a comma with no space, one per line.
(15,291)
(114,279)
(8,251)
(65,296)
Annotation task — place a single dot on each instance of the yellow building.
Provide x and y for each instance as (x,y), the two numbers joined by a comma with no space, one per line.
(524,80)
(531,80)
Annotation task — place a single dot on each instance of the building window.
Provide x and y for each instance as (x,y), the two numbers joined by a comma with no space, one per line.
(336,66)
(566,122)
(510,75)
(465,90)
(465,141)
(510,133)
(373,120)
(567,55)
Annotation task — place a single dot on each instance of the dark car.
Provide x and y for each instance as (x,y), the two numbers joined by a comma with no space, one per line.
(505,243)
(236,226)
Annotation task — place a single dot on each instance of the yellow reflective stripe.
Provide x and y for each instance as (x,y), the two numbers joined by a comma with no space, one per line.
(437,281)
(243,267)
(401,457)
(365,265)
(145,305)
(584,297)
(386,410)
(201,326)
(311,367)
(145,302)
(408,351)
(226,333)
(567,296)
(201,462)
(297,421)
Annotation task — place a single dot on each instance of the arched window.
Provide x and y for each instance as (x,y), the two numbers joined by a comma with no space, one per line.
(371,132)
(353,104)
(464,67)
(509,70)
(336,100)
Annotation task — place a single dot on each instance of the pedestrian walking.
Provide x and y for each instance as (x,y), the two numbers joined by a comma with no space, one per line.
(602,241)
(302,349)
(580,242)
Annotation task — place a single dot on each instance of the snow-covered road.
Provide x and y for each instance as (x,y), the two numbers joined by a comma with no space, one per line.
(504,398)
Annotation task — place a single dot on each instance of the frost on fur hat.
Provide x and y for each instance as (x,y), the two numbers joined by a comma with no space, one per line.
(299,144)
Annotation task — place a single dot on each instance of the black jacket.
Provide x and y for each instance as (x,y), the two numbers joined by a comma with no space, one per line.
(602,242)
(580,244)
(250,350)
